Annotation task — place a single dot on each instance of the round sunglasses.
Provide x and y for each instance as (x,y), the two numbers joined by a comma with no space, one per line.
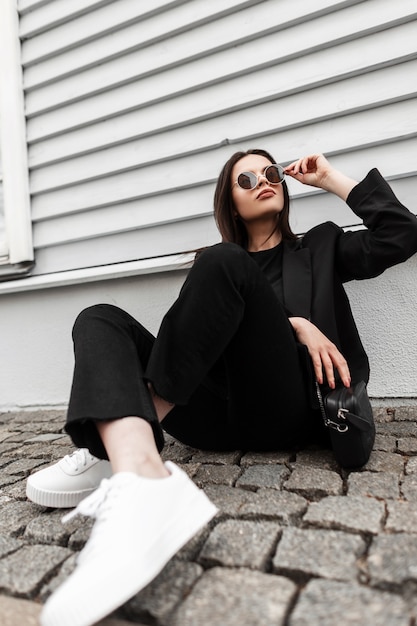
(274,174)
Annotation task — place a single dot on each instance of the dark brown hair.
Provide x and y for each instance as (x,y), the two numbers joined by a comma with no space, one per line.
(231,229)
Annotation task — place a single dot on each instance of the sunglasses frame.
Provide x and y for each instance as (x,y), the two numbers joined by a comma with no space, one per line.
(249,174)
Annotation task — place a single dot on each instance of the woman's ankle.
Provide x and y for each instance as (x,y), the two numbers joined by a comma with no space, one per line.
(142,464)
(130,445)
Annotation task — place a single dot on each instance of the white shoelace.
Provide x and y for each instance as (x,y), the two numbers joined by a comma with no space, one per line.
(78,458)
(99,505)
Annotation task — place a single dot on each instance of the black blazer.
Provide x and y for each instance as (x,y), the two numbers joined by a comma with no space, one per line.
(316,265)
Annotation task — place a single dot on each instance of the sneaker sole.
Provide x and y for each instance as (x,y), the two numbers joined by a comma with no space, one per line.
(111,590)
(56,499)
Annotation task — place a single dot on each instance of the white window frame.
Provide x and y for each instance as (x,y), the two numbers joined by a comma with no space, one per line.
(13,146)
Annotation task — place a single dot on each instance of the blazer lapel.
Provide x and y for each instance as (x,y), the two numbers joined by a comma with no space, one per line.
(297,280)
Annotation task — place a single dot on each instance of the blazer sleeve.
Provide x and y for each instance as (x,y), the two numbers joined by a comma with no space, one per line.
(390,236)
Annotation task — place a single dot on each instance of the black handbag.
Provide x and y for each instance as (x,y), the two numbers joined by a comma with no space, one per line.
(347,413)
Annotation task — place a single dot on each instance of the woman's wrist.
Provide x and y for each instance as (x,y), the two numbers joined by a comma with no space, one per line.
(338,183)
(297,322)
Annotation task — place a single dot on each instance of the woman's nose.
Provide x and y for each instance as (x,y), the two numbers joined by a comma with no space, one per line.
(262,179)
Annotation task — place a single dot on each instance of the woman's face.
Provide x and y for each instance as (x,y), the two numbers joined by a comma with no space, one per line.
(263,202)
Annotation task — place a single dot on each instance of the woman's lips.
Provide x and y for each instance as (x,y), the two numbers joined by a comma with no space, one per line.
(265,193)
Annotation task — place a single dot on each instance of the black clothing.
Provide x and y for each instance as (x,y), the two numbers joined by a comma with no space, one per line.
(226,353)
(270,262)
(315,266)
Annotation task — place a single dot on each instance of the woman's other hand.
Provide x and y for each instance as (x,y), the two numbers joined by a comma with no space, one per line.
(324,354)
(315,170)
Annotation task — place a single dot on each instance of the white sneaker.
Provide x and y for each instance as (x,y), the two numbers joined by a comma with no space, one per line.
(66,483)
(140,524)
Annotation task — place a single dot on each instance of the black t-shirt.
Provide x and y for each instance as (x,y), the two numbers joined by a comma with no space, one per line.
(270,262)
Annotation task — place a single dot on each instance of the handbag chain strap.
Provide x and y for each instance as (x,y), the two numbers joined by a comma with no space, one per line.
(341,428)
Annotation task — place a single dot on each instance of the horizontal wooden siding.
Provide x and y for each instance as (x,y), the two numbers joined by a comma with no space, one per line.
(132,108)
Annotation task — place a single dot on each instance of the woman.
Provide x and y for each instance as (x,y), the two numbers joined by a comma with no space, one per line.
(260,316)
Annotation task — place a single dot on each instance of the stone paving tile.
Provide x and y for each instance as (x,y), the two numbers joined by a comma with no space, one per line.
(45,427)
(190,469)
(15,516)
(385,462)
(59,576)
(402,517)
(283,506)
(49,529)
(4,461)
(385,443)
(7,449)
(398,429)
(407,445)
(20,437)
(350,513)
(264,458)
(239,543)
(40,451)
(376,485)
(217,475)
(411,465)
(16,491)
(217,458)
(177,452)
(323,459)
(7,480)
(229,500)
(327,603)
(392,560)
(314,483)
(22,467)
(39,562)
(160,598)
(192,549)
(325,553)
(409,487)
(78,538)
(46,437)
(383,414)
(267,476)
(8,545)
(4,434)
(406,413)
(241,598)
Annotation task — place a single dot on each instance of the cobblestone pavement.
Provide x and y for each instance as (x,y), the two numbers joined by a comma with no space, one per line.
(297,541)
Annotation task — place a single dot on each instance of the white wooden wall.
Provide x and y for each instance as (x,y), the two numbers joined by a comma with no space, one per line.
(132,108)
(3,243)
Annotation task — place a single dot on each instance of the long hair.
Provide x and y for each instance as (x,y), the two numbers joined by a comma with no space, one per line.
(231,229)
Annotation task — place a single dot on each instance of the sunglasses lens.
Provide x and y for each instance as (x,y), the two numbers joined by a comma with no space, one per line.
(274,174)
(247,180)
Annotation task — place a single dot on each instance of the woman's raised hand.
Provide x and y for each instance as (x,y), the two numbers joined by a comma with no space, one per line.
(324,354)
(315,170)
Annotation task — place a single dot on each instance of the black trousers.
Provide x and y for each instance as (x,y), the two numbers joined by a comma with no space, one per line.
(225,354)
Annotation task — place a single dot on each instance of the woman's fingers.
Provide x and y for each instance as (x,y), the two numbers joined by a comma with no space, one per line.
(333,359)
(325,356)
(325,360)
(304,165)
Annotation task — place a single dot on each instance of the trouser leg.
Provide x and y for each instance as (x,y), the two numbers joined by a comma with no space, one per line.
(111,350)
